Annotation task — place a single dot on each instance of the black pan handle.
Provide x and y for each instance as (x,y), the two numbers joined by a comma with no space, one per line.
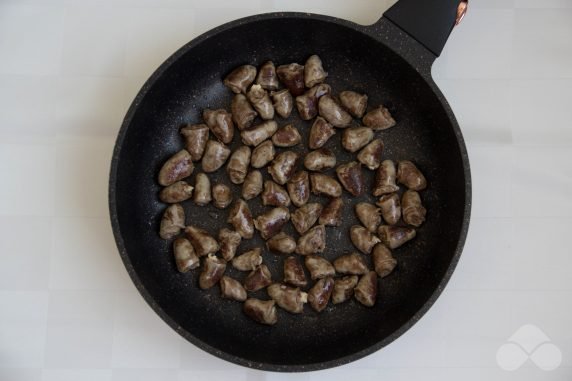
(430,22)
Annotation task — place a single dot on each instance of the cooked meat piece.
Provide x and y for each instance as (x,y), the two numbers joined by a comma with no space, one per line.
(283,167)
(383,261)
(240,217)
(287,136)
(283,102)
(259,133)
(261,311)
(355,138)
(363,239)
(263,154)
(305,217)
(299,188)
(249,260)
(355,103)
(222,196)
(213,270)
(319,91)
(344,288)
(385,179)
(252,185)
(320,133)
(201,240)
(412,208)
(370,155)
(369,215)
(289,298)
(379,119)
(258,279)
(307,103)
(202,194)
(281,243)
(395,236)
(215,156)
(185,257)
(267,77)
(240,78)
(237,166)
(177,192)
(228,240)
(331,110)
(307,106)
(261,102)
(332,213)
(366,289)
(177,167)
(314,72)
(196,136)
(323,184)
(242,112)
(351,177)
(172,222)
(232,289)
(320,294)
(220,123)
(313,241)
(274,195)
(320,160)
(294,272)
(353,264)
(390,208)
(270,223)
(319,267)
(410,176)
(292,76)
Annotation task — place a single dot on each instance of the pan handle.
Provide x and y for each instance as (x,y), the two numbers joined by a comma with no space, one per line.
(430,22)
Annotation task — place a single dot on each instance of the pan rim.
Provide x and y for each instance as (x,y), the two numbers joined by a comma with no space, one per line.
(233,358)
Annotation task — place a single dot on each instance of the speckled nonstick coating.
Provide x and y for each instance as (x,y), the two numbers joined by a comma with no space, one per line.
(379,60)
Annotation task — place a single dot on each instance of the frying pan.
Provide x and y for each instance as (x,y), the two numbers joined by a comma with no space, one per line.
(390,61)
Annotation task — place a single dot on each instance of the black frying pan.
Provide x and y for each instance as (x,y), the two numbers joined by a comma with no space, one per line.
(391,62)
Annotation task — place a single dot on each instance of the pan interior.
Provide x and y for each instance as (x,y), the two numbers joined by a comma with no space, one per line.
(423,134)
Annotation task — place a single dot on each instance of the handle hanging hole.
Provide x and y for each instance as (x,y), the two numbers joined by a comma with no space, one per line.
(461,11)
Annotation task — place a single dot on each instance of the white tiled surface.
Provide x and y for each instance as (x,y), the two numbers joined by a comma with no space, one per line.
(68,70)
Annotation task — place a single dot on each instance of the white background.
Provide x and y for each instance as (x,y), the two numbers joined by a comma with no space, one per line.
(68,71)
